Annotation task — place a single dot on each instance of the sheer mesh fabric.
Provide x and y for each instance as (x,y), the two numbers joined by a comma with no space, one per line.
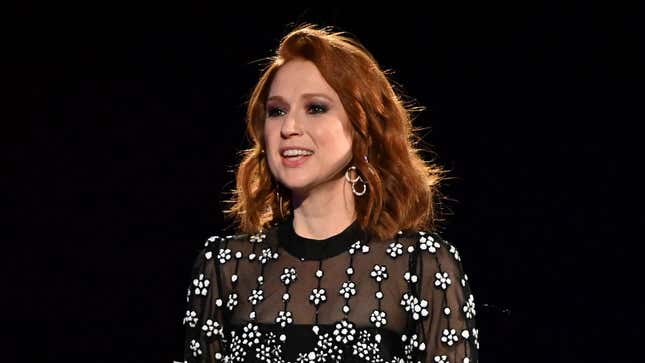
(278,297)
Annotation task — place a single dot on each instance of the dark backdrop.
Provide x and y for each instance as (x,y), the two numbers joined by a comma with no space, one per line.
(123,125)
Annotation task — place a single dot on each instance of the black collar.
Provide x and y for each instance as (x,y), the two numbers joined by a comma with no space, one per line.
(313,249)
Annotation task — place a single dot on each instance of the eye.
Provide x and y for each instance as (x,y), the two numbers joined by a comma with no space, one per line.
(316,108)
(274,112)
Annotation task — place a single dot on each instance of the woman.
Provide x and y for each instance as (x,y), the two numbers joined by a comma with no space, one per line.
(336,259)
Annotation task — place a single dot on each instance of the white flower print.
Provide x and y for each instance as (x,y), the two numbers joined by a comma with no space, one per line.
(344,331)
(263,352)
(379,273)
(442,280)
(326,346)
(188,295)
(256,296)
(410,277)
(463,280)
(354,247)
(190,318)
(469,307)
(365,349)
(454,251)
(201,285)
(251,335)
(309,357)
(348,289)
(284,318)
(257,238)
(395,249)
(414,341)
(195,347)
(211,240)
(476,337)
(449,337)
(212,328)
(237,349)
(325,343)
(358,245)
(441,359)
(267,255)
(317,296)
(378,318)
(269,351)
(417,308)
(224,255)
(427,243)
(288,275)
(360,349)
(407,348)
(465,334)
(232,300)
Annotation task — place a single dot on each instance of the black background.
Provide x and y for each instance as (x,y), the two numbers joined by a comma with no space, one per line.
(123,123)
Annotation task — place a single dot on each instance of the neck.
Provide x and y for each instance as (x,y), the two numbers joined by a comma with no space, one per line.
(325,211)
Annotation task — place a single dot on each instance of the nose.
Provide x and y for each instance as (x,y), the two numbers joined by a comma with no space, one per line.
(290,125)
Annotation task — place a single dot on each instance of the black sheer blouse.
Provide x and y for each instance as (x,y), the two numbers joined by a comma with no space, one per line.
(279,297)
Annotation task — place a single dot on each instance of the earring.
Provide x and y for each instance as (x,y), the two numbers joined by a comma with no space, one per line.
(355,180)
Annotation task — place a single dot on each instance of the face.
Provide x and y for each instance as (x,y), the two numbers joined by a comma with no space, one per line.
(304,112)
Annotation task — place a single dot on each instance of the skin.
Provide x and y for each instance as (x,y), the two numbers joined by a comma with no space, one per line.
(304,110)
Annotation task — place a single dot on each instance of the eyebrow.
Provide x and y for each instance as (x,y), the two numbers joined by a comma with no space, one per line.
(304,95)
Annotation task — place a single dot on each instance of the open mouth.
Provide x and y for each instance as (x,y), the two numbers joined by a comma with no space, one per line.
(296,160)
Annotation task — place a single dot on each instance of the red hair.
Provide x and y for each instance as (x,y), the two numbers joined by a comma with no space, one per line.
(403,188)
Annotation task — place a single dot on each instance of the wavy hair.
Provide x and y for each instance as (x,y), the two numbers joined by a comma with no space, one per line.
(403,188)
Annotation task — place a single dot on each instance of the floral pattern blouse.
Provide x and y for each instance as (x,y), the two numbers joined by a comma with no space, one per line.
(278,297)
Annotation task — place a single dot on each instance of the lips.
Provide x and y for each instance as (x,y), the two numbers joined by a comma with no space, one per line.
(294,161)
(285,148)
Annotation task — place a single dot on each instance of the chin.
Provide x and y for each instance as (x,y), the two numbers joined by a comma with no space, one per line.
(296,186)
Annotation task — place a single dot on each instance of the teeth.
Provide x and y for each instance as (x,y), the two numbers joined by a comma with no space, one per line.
(295,152)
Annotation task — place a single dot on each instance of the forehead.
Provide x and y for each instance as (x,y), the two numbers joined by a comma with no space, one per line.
(299,76)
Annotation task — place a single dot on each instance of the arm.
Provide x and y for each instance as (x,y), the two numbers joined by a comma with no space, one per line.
(204,320)
(447,333)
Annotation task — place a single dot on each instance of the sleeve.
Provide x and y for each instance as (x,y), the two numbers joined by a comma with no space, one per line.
(446,330)
(204,320)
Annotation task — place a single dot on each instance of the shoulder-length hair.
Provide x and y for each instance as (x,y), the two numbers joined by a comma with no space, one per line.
(403,188)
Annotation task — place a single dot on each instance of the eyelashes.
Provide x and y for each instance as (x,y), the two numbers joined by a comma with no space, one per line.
(317,108)
(312,108)
(274,112)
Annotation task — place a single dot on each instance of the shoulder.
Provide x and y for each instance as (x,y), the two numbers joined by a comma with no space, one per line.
(223,248)
(424,240)
(417,243)
(431,246)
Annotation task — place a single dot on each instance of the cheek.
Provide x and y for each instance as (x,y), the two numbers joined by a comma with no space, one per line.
(334,139)
(269,135)
(271,142)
